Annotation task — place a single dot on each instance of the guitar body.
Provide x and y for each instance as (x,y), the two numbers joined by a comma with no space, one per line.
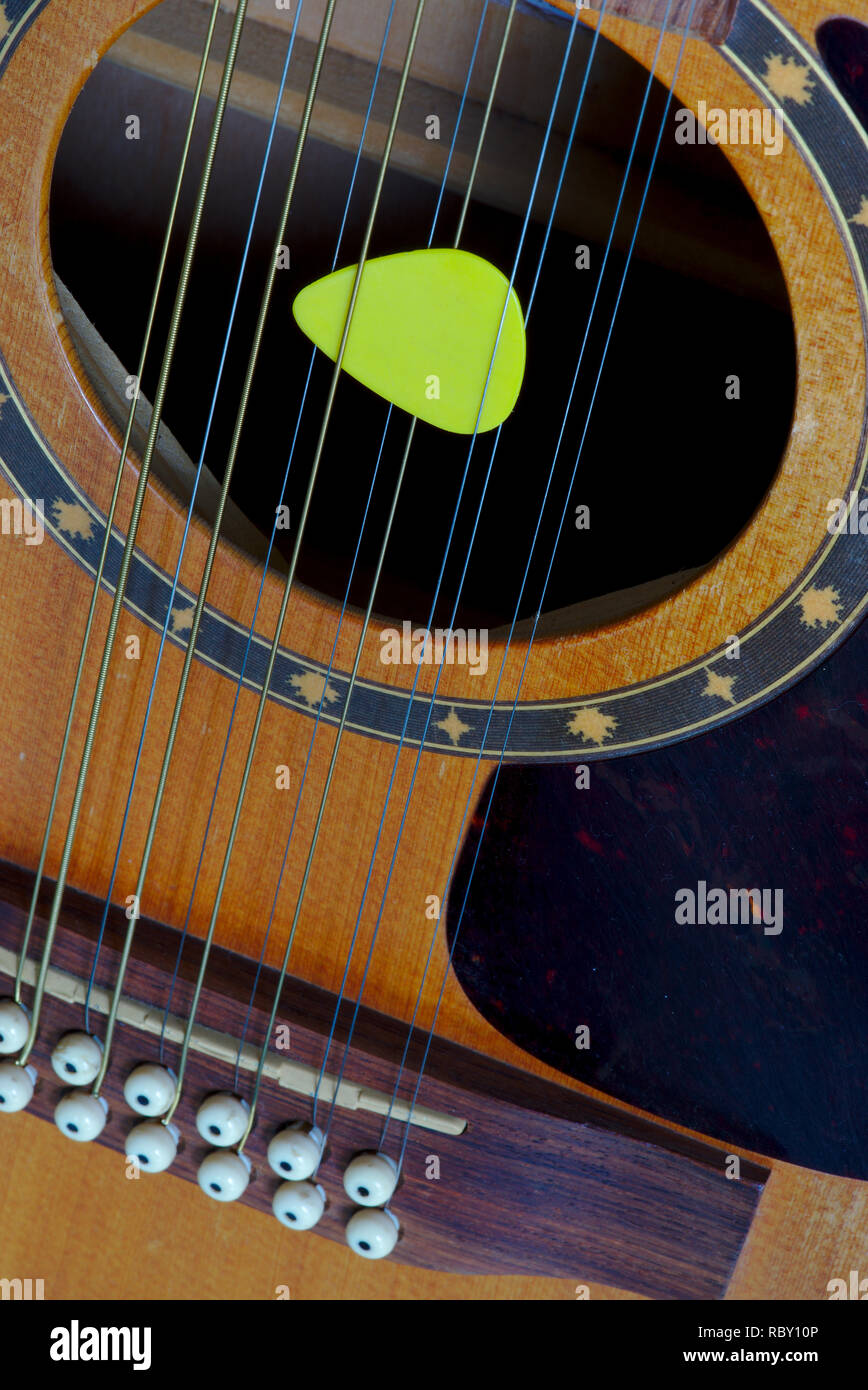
(616,691)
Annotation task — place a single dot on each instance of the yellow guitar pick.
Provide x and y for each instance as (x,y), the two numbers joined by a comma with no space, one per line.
(424,328)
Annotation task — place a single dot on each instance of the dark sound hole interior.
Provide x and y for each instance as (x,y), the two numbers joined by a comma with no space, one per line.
(671,469)
(843,45)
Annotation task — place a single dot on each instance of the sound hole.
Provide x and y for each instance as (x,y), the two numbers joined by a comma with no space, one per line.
(843,45)
(696,397)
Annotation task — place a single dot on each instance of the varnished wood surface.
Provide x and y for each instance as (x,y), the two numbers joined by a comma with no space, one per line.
(167,1246)
(635,1204)
(43,588)
(809,1228)
(710,19)
(773,550)
(117,1239)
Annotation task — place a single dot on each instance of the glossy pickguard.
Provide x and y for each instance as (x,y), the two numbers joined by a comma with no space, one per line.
(752,1036)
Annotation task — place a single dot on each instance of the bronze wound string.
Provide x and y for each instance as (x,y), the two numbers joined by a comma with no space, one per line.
(208,941)
(528,213)
(336,748)
(559,532)
(434,221)
(129,546)
(212,548)
(189,517)
(110,516)
(272,539)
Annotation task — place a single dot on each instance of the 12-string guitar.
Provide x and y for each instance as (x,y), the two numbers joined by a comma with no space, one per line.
(433,445)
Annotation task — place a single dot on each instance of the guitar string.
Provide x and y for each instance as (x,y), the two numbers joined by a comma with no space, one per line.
(390,15)
(208,940)
(395,764)
(272,539)
(480,506)
(251,1121)
(558,535)
(335,751)
(129,546)
(212,549)
(110,516)
(418,758)
(498,431)
(332,656)
(602,365)
(189,517)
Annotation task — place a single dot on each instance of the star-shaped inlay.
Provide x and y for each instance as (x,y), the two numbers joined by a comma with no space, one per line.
(3,400)
(313,688)
(182,619)
(721,686)
(820,607)
(593,725)
(861,218)
(453,726)
(72,519)
(789,79)
(5,22)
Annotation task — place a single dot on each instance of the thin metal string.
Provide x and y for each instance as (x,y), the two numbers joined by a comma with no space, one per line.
(261,590)
(333,760)
(559,533)
(288,949)
(189,517)
(138,501)
(393,860)
(100,569)
(434,220)
(420,8)
(212,548)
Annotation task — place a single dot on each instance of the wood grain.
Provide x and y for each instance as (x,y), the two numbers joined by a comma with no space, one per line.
(41,596)
(760,566)
(704,19)
(808,1228)
(578,1183)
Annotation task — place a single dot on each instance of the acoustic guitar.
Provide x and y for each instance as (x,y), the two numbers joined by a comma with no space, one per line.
(433,722)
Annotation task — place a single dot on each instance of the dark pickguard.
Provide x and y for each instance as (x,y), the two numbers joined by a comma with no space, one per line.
(753,1038)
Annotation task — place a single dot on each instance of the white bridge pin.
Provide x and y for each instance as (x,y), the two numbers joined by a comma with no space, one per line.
(79,1117)
(150,1089)
(222,1119)
(224,1176)
(298,1205)
(373,1234)
(14,1027)
(370,1179)
(16,1087)
(153,1145)
(77,1058)
(295,1151)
